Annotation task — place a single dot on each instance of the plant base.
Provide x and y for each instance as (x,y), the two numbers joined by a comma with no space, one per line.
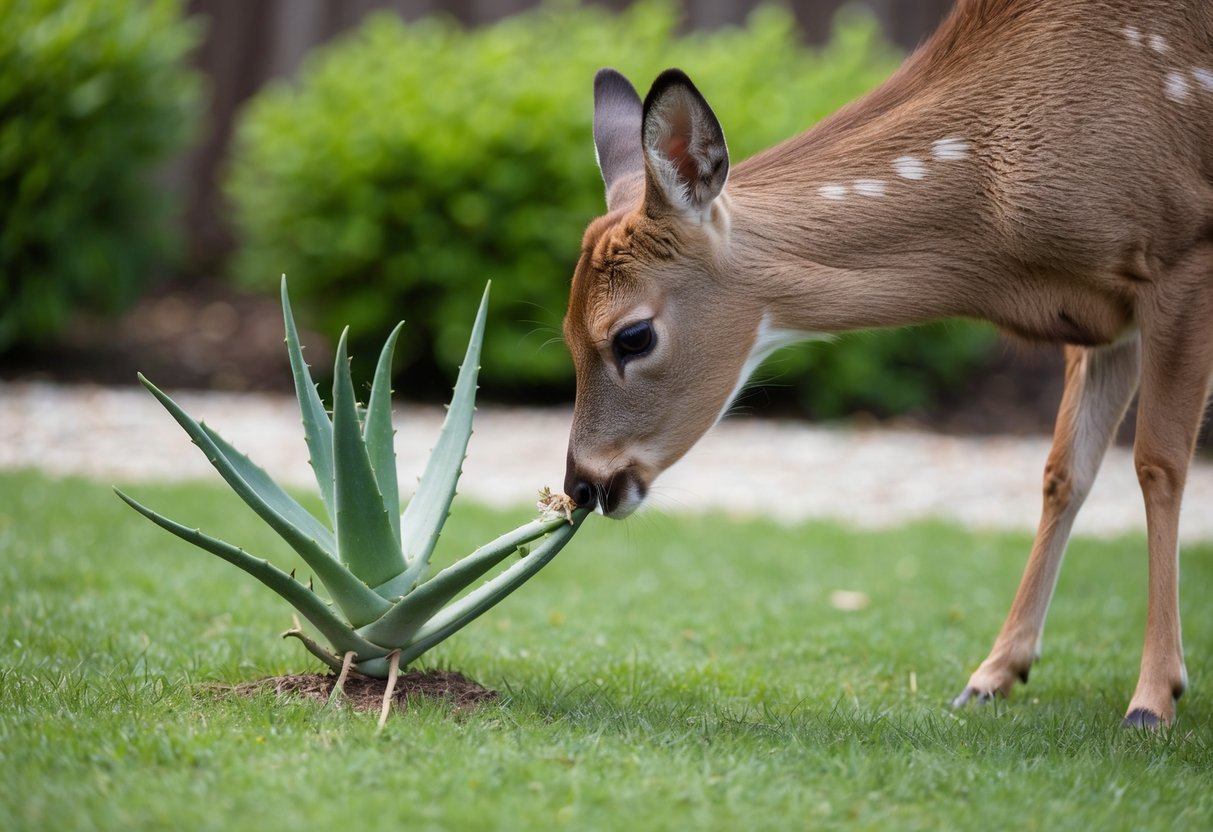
(364,693)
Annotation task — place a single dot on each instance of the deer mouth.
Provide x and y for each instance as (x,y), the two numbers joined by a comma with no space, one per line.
(623,493)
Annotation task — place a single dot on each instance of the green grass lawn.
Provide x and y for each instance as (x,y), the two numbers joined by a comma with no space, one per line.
(664,673)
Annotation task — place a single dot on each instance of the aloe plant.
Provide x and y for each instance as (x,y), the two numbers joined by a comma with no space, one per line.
(371,559)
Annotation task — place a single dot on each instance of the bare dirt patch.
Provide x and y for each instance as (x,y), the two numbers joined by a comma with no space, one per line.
(366,694)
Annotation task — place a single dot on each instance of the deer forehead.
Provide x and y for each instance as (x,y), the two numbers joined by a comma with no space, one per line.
(616,245)
(625,261)
(605,294)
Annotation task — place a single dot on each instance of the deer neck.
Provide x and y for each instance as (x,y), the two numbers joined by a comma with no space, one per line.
(866,226)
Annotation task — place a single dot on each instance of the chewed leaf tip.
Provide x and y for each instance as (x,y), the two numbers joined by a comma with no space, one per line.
(551,504)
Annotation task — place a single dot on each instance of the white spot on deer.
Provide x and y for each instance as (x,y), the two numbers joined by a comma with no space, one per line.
(1132,35)
(1159,44)
(910,167)
(950,149)
(835,192)
(1176,86)
(869,187)
(1203,77)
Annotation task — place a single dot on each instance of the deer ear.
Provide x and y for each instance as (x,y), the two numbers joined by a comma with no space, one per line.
(617,121)
(687,160)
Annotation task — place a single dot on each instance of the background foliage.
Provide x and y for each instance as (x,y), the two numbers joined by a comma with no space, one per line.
(93,97)
(410,163)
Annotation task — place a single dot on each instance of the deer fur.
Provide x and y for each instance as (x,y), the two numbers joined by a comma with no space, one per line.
(1045,165)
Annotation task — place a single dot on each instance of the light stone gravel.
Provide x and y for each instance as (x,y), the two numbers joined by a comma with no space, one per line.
(745,467)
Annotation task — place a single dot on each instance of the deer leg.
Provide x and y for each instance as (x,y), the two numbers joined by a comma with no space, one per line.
(1099,383)
(1177,356)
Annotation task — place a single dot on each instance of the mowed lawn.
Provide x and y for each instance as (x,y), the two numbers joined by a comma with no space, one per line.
(662,673)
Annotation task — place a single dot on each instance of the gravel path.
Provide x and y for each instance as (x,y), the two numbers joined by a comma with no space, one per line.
(788,470)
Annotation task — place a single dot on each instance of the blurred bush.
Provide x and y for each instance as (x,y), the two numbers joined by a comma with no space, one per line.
(410,163)
(93,97)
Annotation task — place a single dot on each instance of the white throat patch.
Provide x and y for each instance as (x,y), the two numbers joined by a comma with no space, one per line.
(766,341)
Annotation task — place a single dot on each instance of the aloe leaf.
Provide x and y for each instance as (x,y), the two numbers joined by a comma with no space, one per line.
(310,605)
(358,601)
(273,495)
(477,602)
(377,668)
(379,435)
(428,510)
(317,429)
(326,656)
(399,624)
(364,533)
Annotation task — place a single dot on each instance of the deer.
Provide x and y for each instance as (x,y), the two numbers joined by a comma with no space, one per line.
(1042,165)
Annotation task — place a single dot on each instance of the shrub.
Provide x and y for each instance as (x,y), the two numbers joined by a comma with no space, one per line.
(410,162)
(92,98)
(882,372)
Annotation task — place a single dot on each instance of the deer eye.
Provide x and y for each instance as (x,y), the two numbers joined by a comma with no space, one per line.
(634,341)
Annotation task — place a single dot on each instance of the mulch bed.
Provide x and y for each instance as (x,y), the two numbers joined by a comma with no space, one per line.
(363,693)
(202,333)
(196,334)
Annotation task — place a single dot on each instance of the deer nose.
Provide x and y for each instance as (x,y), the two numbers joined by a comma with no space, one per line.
(582,492)
(578,485)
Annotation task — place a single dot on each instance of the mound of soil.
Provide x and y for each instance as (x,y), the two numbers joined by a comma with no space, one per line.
(366,694)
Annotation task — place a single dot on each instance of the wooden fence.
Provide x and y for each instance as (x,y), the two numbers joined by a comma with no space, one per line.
(248,43)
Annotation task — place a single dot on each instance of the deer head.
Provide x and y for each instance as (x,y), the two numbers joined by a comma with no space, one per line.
(661,334)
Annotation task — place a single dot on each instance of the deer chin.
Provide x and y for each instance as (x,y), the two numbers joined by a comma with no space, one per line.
(622,494)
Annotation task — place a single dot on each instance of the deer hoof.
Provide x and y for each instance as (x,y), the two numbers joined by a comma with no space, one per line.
(1142,718)
(973,695)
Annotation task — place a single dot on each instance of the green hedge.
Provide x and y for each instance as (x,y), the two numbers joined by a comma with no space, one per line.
(93,97)
(410,163)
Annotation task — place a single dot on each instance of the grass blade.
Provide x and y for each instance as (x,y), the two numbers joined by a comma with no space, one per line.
(273,494)
(364,533)
(400,623)
(480,600)
(310,605)
(428,510)
(358,601)
(380,436)
(317,429)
